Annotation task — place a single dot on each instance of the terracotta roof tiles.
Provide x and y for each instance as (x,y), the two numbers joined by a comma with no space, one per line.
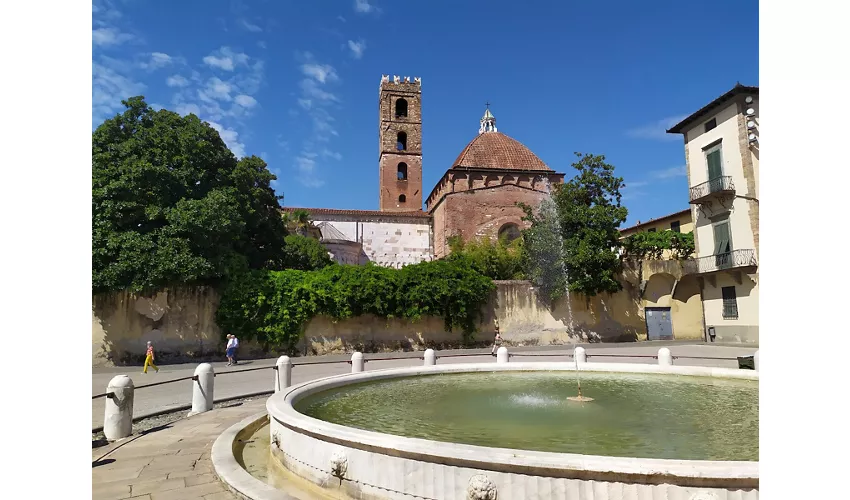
(495,150)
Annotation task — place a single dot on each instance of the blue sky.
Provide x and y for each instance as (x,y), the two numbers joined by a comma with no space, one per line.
(296,82)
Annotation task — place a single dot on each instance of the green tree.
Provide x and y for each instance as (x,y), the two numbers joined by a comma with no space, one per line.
(305,254)
(172,205)
(647,245)
(499,260)
(585,213)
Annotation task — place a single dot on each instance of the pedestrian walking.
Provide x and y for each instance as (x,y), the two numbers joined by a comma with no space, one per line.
(230,350)
(497,340)
(235,349)
(149,358)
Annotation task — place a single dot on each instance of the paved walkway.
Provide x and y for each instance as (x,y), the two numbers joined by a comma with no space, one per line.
(228,385)
(172,463)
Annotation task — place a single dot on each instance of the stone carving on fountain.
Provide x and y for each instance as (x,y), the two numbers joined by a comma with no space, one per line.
(481,488)
(339,464)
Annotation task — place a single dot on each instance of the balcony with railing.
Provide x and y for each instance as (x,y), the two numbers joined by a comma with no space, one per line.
(719,186)
(736,259)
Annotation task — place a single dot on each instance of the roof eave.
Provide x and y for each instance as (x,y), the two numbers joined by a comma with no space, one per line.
(738,89)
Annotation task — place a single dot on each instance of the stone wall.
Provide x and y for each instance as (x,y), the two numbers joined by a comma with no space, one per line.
(181,323)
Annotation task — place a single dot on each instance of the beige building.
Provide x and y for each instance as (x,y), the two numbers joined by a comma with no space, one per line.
(722,156)
(670,298)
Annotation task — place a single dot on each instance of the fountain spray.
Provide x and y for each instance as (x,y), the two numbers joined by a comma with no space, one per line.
(579,398)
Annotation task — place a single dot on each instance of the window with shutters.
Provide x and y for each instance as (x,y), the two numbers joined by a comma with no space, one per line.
(730,302)
(714,161)
(722,244)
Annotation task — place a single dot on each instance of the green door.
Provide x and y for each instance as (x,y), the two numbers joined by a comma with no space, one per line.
(715,171)
(722,245)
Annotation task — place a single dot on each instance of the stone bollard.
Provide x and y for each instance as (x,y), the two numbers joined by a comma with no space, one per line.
(283,377)
(756,360)
(202,389)
(502,355)
(357,362)
(118,415)
(430,357)
(580,355)
(665,358)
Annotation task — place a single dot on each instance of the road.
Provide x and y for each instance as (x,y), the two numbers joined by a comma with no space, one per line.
(261,377)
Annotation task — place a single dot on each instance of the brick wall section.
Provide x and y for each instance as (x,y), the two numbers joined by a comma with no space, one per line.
(389,155)
(749,173)
(479,213)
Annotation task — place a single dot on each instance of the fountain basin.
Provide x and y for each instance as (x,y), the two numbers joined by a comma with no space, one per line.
(367,464)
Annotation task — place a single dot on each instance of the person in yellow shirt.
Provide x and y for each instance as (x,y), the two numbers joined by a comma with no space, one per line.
(149,358)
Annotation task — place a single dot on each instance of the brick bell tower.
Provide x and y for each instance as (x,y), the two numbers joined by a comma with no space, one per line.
(400,144)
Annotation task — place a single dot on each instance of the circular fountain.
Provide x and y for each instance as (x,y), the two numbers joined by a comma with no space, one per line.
(509,431)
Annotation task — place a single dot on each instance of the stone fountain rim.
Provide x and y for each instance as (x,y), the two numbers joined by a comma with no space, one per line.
(697,473)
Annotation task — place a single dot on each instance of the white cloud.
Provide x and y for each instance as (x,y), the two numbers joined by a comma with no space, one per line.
(305,163)
(305,103)
(176,81)
(364,7)
(261,44)
(231,138)
(250,27)
(109,88)
(245,101)
(321,72)
(215,90)
(157,60)
(331,154)
(104,37)
(357,48)
(312,90)
(670,172)
(657,130)
(224,58)
(185,109)
(633,190)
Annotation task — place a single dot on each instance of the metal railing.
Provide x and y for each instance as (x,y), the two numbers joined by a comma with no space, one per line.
(719,262)
(716,185)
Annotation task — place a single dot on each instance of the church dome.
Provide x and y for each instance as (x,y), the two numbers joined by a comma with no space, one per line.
(495,150)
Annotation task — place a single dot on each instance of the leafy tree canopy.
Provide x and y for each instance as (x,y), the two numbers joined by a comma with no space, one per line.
(172,205)
(305,254)
(651,245)
(576,234)
(500,260)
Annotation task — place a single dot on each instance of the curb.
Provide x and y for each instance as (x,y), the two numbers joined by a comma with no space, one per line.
(228,470)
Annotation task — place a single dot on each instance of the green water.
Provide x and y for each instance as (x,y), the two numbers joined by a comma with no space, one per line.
(647,416)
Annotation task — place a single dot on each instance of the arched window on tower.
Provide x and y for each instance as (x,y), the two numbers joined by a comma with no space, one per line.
(402,171)
(509,232)
(401,108)
(402,198)
(401,141)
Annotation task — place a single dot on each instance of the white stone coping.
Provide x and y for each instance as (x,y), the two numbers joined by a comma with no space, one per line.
(231,472)
(690,473)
